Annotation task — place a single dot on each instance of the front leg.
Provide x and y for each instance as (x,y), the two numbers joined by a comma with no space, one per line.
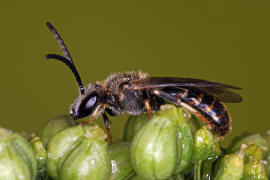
(107,124)
(96,113)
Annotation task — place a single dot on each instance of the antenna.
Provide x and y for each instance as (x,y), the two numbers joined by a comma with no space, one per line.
(70,65)
(59,41)
(67,59)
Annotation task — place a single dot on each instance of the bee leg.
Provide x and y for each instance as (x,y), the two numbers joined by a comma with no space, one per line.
(178,102)
(93,116)
(147,104)
(148,108)
(107,124)
(88,121)
(167,97)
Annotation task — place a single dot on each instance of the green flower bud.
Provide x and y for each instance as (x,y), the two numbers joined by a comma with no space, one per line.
(119,154)
(156,148)
(17,158)
(205,145)
(231,166)
(193,122)
(186,140)
(136,177)
(256,139)
(79,152)
(133,125)
(40,151)
(253,151)
(254,169)
(267,166)
(175,177)
(51,127)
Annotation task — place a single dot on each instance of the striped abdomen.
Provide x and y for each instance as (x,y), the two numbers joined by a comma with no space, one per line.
(212,110)
(206,107)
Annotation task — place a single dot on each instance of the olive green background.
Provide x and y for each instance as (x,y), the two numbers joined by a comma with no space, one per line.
(225,41)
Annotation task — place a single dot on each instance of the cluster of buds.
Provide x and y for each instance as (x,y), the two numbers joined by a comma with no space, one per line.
(172,145)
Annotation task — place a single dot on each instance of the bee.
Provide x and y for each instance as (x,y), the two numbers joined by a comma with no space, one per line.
(137,92)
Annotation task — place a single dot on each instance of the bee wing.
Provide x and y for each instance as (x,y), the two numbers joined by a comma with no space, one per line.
(156,82)
(223,94)
(218,90)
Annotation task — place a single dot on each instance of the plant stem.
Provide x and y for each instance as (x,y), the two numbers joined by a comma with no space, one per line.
(197,170)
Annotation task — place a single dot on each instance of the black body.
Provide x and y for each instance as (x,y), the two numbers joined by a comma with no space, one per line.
(136,93)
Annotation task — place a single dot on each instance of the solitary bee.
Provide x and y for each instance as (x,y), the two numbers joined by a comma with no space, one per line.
(137,92)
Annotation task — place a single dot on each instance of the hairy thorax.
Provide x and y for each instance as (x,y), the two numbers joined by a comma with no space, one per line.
(115,81)
(122,98)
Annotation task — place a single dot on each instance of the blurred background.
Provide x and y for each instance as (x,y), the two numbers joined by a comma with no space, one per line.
(223,41)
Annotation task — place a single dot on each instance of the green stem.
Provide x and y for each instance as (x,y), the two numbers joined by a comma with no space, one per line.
(197,170)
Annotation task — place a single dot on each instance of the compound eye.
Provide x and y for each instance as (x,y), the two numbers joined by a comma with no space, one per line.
(91,102)
(87,106)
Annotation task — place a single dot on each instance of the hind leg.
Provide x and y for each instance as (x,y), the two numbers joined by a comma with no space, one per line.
(177,101)
(166,96)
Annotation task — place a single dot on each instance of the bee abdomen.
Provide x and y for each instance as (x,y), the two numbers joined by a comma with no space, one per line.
(211,109)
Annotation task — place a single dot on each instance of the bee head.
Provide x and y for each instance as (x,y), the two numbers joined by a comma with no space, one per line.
(88,103)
